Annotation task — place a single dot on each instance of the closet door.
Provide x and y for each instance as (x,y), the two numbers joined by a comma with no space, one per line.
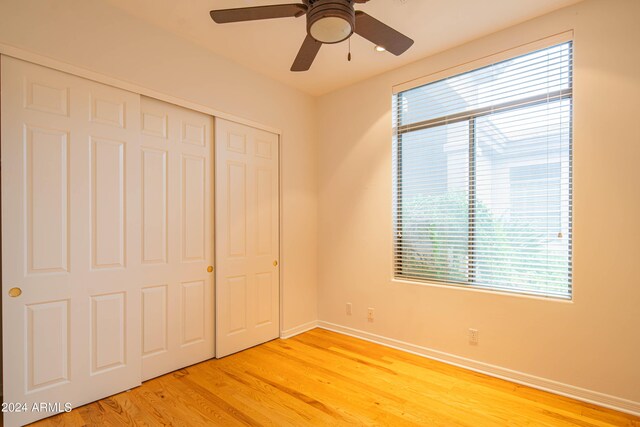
(70,265)
(247,243)
(177,237)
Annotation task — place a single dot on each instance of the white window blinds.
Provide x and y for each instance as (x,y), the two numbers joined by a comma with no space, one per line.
(482,177)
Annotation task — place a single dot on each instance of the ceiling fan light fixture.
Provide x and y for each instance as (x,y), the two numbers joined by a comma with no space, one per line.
(330,21)
(330,29)
(378,48)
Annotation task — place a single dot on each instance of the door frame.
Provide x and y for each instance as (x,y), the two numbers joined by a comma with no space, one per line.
(48,62)
(25,55)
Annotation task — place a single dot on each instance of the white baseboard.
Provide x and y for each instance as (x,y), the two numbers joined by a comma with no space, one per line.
(299,329)
(589,396)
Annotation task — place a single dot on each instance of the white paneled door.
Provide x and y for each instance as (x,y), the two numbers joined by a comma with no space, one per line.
(107,239)
(247,237)
(177,237)
(71,269)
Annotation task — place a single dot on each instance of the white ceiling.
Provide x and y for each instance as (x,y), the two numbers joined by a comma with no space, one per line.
(270,46)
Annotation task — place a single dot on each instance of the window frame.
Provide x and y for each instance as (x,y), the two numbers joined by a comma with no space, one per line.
(471,116)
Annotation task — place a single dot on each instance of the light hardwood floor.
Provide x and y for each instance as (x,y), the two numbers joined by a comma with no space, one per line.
(325,378)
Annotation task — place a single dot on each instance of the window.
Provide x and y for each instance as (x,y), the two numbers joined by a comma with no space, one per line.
(482,177)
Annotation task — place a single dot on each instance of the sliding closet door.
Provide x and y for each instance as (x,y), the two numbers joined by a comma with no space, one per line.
(70,260)
(247,244)
(177,237)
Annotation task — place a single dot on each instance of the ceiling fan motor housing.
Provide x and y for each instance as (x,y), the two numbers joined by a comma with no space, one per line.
(330,21)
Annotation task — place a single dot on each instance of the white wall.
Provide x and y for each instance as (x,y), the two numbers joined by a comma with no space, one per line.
(96,36)
(592,342)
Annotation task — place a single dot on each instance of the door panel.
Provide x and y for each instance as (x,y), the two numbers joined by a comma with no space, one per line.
(235,291)
(193,312)
(177,237)
(47,344)
(107,203)
(107,331)
(154,320)
(154,206)
(47,175)
(264,289)
(247,243)
(237,208)
(70,151)
(193,208)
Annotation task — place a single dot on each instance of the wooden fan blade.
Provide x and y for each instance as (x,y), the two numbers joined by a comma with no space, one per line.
(381,34)
(306,54)
(224,16)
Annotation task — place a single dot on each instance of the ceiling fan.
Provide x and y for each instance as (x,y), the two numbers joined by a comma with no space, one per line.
(328,21)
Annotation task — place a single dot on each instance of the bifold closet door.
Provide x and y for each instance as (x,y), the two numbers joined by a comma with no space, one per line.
(70,243)
(177,237)
(247,243)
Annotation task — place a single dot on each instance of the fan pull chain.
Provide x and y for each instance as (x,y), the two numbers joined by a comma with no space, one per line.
(349,55)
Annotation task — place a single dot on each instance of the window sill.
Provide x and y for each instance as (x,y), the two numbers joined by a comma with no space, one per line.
(469,288)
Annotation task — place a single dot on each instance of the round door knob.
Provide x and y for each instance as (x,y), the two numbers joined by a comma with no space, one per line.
(275,263)
(209,269)
(15,292)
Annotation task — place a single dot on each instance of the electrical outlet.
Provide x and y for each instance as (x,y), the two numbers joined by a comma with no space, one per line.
(349,311)
(370,314)
(473,336)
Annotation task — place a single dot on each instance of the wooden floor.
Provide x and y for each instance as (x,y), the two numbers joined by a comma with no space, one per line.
(324,378)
